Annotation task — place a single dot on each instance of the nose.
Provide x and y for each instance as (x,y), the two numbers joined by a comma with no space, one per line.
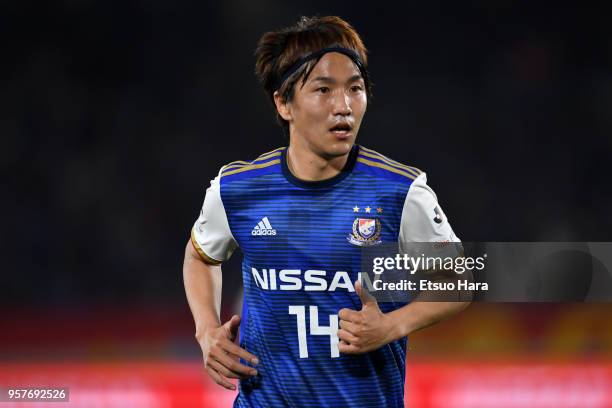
(342,104)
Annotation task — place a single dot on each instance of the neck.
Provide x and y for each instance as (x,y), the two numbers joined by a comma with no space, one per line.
(309,166)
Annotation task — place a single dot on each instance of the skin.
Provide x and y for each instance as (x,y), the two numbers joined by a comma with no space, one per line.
(334,92)
(221,355)
(369,329)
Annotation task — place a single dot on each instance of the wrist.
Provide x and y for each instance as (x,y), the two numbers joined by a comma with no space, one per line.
(204,328)
(399,325)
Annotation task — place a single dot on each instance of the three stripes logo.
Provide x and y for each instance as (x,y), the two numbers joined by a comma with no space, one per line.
(263,227)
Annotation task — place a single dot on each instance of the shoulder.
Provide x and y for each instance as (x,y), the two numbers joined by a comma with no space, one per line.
(372,162)
(264,164)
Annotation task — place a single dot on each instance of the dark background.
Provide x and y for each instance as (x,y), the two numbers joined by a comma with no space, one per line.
(115,116)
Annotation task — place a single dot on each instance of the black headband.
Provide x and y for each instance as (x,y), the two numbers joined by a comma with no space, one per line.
(317,54)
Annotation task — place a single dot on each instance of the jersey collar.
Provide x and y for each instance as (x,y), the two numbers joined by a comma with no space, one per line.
(346,170)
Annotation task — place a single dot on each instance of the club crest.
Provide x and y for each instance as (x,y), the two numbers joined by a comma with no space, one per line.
(366,232)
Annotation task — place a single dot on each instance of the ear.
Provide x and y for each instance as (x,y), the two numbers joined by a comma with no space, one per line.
(282,107)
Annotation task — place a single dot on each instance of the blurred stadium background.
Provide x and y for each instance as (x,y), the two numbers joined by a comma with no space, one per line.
(116,115)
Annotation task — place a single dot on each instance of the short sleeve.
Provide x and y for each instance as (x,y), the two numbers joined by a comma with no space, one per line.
(423,221)
(211,235)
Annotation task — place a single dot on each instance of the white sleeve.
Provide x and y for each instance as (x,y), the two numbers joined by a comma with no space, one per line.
(423,221)
(211,235)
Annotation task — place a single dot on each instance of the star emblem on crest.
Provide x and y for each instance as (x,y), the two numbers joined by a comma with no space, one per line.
(368,209)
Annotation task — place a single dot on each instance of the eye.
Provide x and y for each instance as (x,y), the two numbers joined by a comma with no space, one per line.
(323,89)
(356,88)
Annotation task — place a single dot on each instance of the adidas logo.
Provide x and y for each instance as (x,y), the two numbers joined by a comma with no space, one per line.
(263,228)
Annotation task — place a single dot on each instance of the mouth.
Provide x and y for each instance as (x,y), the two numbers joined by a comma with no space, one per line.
(342,130)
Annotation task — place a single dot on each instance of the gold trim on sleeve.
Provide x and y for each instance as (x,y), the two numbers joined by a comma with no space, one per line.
(207,259)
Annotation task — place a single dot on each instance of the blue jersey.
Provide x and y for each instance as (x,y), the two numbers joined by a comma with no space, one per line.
(301,243)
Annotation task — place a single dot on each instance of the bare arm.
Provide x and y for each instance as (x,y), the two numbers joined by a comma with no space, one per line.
(370,328)
(203,290)
(431,307)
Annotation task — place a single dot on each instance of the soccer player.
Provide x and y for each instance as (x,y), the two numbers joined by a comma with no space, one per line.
(309,334)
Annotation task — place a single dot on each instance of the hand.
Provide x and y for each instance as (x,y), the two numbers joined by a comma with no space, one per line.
(221,355)
(364,330)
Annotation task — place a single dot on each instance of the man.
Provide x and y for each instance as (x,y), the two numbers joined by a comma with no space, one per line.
(309,336)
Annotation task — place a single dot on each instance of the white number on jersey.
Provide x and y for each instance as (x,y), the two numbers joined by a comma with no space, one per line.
(315,329)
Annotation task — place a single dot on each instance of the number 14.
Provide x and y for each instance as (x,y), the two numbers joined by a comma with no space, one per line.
(315,329)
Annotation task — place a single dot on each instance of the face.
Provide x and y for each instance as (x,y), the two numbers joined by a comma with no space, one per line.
(325,114)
